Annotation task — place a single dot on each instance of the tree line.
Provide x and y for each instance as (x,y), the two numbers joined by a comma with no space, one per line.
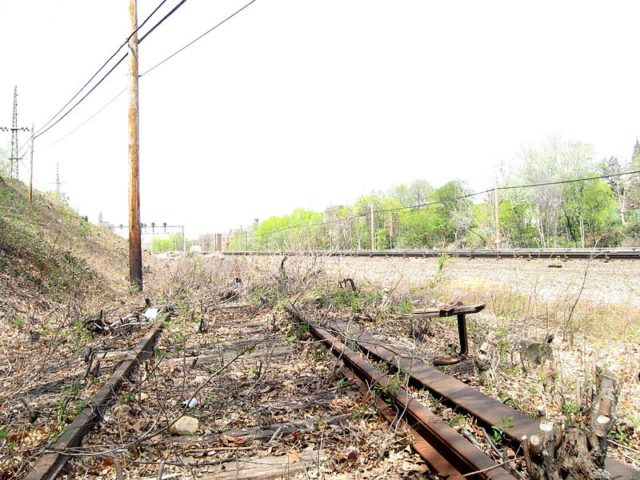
(599,212)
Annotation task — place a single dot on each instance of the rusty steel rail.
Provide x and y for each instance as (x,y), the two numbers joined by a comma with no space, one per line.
(457,451)
(517,253)
(51,463)
(488,410)
(430,455)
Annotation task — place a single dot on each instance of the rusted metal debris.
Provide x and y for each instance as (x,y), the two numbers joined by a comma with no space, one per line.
(100,324)
(515,424)
(453,447)
(460,311)
(50,464)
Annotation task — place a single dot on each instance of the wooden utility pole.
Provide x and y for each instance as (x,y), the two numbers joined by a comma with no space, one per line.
(31,167)
(135,242)
(373,238)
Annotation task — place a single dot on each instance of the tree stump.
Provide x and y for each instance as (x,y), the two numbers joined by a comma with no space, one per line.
(576,453)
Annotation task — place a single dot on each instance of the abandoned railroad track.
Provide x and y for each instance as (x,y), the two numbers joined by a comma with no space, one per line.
(240,384)
(448,453)
(235,394)
(231,395)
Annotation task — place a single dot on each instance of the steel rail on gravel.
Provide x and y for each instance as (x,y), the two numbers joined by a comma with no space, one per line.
(518,253)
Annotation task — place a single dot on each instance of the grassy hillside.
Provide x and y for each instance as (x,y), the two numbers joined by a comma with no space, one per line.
(48,253)
(56,269)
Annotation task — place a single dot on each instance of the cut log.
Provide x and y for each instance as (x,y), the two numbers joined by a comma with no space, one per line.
(576,453)
(603,413)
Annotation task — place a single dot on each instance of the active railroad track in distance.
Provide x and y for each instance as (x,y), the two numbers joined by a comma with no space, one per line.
(518,253)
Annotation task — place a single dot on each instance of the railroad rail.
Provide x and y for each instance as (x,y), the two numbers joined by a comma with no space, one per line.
(518,253)
(239,338)
(337,334)
(49,465)
(444,449)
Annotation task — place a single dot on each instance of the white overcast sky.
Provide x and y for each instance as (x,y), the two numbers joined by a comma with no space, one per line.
(301,103)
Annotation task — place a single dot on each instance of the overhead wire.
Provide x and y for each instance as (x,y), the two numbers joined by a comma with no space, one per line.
(513,187)
(104,65)
(106,75)
(153,68)
(162,20)
(50,125)
(198,38)
(95,114)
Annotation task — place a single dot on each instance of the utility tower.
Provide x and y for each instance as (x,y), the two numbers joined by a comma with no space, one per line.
(58,183)
(60,196)
(14,159)
(14,136)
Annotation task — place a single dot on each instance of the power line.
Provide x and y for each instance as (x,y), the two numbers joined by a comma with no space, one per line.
(161,21)
(198,38)
(75,105)
(95,114)
(148,71)
(104,77)
(102,66)
(511,187)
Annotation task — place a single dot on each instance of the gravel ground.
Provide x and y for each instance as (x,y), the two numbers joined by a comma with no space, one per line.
(616,282)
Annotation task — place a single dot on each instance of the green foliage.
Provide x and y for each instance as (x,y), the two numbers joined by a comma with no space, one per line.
(457,420)
(41,244)
(171,243)
(497,435)
(571,410)
(591,215)
(416,215)
(65,407)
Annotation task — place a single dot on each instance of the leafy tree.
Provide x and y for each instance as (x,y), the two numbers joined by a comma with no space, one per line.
(384,220)
(619,184)
(453,214)
(300,230)
(416,215)
(166,244)
(634,180)
(591,214)
(515,214)
(417,193)
(554,160)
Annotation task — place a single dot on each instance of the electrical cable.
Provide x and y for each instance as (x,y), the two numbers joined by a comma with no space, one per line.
(197,38)
(44,130)
(103,65)
(161,21)
(151,69)
(98,112)
(511,187)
